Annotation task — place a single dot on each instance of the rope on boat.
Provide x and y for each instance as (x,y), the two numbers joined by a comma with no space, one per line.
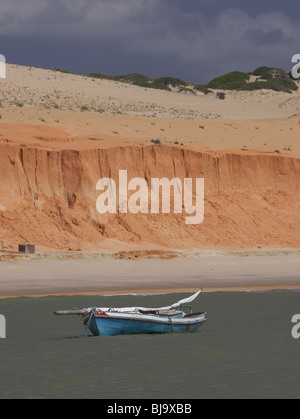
(171,323)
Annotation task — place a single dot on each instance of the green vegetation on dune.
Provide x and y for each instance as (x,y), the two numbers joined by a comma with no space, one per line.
(167,82)
(265,78)
(202,88)
(135,78)
(229,81)
(164,83)
(277,84)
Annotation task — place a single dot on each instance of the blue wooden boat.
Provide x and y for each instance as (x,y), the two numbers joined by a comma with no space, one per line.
(103,323)
(134,320)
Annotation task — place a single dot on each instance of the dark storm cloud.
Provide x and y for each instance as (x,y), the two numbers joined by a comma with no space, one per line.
(195,40)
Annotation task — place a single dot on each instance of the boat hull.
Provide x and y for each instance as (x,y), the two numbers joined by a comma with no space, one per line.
(104,324)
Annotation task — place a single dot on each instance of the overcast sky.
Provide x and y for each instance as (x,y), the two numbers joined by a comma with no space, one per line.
(195,40)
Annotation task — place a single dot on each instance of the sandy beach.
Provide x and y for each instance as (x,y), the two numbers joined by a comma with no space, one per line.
(213,271)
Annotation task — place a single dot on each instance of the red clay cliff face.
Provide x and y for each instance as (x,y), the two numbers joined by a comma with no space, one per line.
(48,198)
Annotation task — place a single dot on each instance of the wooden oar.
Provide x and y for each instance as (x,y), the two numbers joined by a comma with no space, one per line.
(69,312)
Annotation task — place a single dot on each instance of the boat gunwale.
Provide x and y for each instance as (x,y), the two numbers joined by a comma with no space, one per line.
(164,320)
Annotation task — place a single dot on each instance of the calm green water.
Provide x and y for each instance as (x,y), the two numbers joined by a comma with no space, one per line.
(244,350)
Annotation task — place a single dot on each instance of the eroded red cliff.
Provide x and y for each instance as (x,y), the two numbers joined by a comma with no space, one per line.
(49,198)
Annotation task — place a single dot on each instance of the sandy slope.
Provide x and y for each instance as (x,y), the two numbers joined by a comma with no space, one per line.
(47,90)
(56,110)
(59,133)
